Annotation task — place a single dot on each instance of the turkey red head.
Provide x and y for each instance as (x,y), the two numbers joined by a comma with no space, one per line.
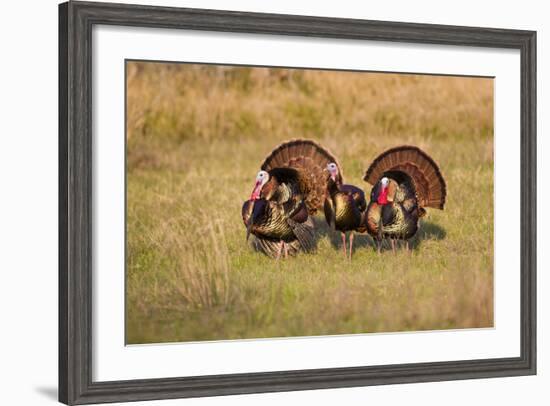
(383,191)
(261,179)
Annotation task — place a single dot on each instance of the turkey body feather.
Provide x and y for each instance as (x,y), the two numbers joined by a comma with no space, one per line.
(344,207)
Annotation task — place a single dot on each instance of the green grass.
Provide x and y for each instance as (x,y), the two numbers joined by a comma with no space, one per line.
(196,138)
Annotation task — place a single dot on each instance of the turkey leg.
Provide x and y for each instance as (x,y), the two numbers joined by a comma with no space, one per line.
(344,245)
(280,250)
(350,244)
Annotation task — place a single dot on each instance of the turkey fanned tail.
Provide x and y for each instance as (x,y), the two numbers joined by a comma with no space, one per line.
(309,160)
(409,163)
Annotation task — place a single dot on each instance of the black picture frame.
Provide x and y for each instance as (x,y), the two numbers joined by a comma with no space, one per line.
(76,20)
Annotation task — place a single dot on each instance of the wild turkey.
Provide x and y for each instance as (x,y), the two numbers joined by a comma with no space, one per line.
(405,180)
(289,188)
(345,207)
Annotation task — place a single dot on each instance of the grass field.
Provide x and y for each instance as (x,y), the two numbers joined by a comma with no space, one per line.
(196,136)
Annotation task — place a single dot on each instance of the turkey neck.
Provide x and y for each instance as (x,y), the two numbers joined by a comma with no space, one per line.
(333,187)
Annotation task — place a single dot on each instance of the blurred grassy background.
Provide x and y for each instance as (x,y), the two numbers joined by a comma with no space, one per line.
(196,136)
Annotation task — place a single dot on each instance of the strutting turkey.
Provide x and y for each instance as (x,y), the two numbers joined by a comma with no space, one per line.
(290,187)
(405,180)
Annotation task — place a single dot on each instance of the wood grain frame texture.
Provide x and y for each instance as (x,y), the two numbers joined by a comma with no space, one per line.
(76,20)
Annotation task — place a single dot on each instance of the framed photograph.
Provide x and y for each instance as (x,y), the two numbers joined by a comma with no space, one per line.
(257,202)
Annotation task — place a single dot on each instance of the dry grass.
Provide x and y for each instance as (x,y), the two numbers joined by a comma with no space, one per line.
(196,138)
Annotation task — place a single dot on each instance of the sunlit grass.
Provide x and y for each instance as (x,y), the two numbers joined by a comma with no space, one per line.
(196,138)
